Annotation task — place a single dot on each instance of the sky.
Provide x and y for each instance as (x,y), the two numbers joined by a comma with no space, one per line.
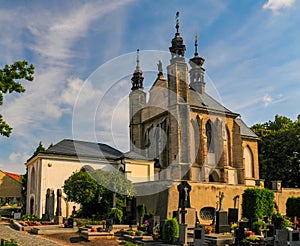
(84,54)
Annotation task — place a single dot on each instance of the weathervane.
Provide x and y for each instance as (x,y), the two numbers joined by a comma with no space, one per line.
(196,44)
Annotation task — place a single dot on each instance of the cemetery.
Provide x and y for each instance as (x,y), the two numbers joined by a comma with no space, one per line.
(261,224)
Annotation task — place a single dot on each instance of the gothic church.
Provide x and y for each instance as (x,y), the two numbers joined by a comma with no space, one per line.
(189,134)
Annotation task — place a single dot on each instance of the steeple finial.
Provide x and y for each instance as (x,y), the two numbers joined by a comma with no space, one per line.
(177,22)
(196,45)
(138,59)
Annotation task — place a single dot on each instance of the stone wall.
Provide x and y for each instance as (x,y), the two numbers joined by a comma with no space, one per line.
(205,195)
(282,196)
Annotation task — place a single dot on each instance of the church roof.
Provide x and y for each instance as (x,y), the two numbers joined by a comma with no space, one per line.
(207,102)
(84,149)
(245,130)
(135,156)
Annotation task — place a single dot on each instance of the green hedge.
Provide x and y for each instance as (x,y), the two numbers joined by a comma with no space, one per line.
(257,203)
(293,207)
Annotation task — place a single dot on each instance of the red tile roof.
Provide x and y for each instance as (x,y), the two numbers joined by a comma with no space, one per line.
(13,175)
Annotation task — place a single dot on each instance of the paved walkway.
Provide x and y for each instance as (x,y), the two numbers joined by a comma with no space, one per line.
(23,238)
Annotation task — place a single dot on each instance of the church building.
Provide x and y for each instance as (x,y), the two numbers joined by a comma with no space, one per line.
(189,134)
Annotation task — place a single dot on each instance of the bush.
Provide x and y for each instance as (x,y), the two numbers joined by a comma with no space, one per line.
(10,242)
(117,215)
(280,222)
(257,227)
(171,230)
(257,203)
(30,217)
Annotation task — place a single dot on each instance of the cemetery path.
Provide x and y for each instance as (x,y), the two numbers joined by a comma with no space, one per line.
(23,238)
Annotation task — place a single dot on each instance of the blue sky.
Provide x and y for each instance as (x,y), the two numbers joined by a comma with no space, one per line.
(251,50)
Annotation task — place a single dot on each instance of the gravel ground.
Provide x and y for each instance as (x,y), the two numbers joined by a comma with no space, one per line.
(27,239)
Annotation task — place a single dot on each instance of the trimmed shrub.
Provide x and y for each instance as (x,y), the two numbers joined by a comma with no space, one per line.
(293,207)
(171,230)
(257,203)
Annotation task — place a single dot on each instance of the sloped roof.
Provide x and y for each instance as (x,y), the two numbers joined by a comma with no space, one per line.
(245,130)
(71,147)
(13,175)
(205,101)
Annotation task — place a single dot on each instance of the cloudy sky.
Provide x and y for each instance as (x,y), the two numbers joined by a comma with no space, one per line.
(251,48)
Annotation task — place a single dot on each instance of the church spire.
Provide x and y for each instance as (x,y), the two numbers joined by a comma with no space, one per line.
(178,48)
(197,71)
(137,78)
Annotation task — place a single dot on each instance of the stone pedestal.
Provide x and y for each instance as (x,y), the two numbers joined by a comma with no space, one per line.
(183,234)
(222,222)
(58,220)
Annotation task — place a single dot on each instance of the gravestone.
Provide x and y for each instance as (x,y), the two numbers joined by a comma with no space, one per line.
(51,205)
(281,238)
(58,219)
(222,222)
(270,231)
(199,237)
(294,238)
(221,217)
(233,215)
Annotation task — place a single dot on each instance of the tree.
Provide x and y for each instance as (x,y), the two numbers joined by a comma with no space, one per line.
(93,190)
(39,149)
(278,151)
(9,83)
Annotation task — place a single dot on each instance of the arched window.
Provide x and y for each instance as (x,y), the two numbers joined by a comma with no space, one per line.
(210,137)
(32,180)
(248,162)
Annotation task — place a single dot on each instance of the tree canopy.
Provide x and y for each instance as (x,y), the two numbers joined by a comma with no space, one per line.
(279,151)
(10,76)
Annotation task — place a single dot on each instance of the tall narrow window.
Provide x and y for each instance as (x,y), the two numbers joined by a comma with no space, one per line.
(210,137)
(248,161)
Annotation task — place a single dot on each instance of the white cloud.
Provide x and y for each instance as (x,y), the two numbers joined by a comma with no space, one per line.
(276,5)
(267,100)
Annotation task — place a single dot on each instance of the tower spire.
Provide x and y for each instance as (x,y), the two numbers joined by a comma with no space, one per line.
(137,78)
(178,48)
(197,71)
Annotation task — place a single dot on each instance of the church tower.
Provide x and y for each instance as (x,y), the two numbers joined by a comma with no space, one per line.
(178,107)
(137,100)
(197,71)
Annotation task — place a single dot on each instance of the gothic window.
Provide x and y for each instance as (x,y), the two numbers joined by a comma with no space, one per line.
(210,137)
(248,162)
